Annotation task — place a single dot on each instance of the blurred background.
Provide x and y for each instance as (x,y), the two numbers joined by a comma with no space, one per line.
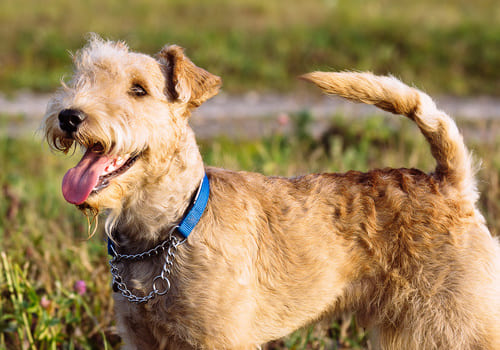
(446,46)
(54,279)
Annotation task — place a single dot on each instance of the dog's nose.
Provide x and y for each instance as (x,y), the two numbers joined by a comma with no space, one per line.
(69,119)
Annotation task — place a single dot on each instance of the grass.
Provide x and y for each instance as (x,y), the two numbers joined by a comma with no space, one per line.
(46,256)
(450,47)
(44,253)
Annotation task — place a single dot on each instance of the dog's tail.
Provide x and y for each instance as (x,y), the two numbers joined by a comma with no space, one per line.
(454,163)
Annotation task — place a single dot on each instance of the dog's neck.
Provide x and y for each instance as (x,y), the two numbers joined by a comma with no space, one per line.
(148,216)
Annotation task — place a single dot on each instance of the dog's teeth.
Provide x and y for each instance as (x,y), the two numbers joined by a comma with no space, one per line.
(116,164)
(109,169)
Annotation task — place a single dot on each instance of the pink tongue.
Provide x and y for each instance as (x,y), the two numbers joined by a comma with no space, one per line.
(80,180)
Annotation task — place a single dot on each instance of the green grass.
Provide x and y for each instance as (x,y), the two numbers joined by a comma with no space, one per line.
(450,47)
(44,241)
(44,252)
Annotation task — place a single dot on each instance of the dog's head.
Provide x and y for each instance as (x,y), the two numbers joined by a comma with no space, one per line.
(127,111)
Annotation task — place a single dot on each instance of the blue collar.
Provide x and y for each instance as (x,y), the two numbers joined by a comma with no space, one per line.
(192,217)
(194,214)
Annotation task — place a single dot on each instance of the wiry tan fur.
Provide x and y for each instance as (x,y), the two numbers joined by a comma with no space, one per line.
(408,252)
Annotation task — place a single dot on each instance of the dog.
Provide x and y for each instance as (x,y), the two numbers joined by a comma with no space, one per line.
(408,252)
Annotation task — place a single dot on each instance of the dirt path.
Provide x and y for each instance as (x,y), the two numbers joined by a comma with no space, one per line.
(251,114)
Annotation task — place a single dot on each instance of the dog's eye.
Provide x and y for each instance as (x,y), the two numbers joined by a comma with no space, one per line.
(137,90)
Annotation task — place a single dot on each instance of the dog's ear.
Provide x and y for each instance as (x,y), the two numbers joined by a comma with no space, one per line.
(184,80)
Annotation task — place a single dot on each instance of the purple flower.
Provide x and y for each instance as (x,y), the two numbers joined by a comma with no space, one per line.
(80,287)
(45,303)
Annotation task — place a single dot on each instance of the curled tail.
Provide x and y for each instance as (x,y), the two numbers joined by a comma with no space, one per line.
(454,163)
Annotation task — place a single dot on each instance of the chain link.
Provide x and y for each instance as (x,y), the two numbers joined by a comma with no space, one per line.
(161,283)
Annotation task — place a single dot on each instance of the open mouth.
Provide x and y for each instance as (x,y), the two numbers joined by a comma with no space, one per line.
(93,173)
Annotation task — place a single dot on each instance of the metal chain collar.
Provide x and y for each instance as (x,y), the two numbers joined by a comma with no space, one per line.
(169,246)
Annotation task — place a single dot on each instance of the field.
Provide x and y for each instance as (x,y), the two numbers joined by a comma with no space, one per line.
(54,280)
(445,46)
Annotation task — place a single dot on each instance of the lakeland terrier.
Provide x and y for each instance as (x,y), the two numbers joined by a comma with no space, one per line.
(206,258)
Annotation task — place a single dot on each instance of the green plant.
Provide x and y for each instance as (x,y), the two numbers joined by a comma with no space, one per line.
(30,315)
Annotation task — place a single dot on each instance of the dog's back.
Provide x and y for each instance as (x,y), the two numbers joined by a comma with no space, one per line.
(460,307)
